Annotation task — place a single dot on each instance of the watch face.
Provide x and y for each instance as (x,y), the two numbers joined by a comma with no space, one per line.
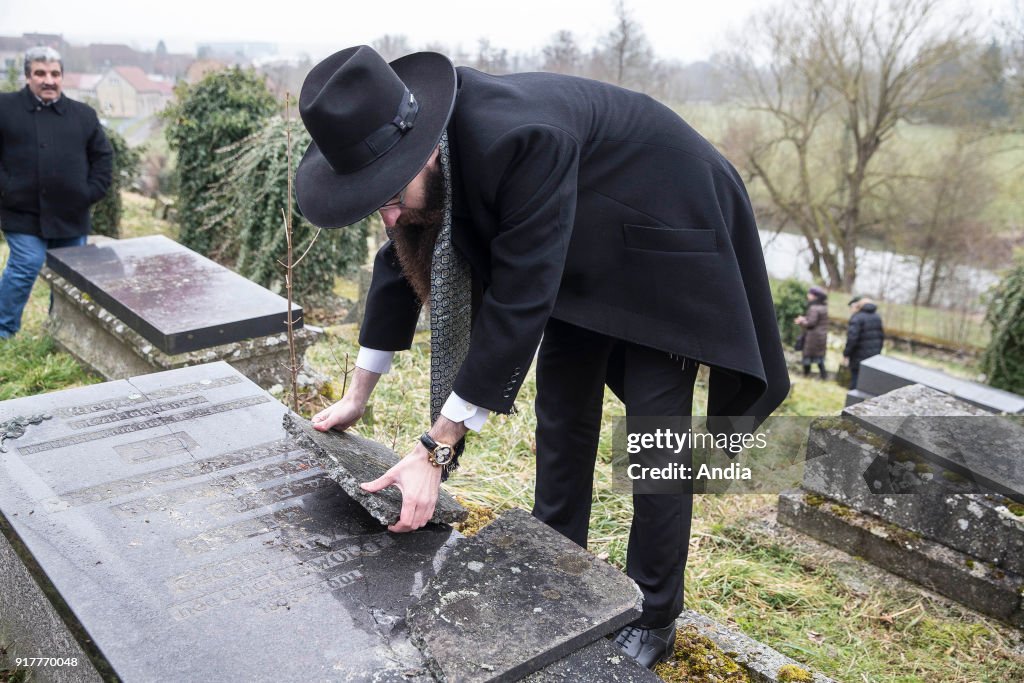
(443,455)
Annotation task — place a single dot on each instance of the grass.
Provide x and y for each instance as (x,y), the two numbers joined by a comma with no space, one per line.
(827,610)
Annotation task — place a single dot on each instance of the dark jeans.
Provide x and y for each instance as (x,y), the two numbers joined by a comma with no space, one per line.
(27,255)
(573,366)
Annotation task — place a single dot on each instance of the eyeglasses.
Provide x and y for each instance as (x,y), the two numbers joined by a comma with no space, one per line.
(396,202)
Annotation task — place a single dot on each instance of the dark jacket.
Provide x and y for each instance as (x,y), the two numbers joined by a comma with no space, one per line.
(864,335)
(816,330)
(55,162)
(601,207)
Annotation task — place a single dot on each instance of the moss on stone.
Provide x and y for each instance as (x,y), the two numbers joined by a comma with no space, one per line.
(814,500)
(969,562)
(791,673)
(949,475)
(1016,508)
(479,517)
(698,660)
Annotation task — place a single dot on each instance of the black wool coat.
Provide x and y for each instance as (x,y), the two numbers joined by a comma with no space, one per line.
(864,335)
(598,206)
(55,162)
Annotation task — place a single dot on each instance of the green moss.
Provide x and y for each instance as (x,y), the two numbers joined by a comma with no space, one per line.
(922,468)
(791,673)
(969,562)
(949,475)
(1016,508)
(814,500)
(698,660)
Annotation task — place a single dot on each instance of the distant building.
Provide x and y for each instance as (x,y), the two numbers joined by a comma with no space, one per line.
(80,86)
(128,92)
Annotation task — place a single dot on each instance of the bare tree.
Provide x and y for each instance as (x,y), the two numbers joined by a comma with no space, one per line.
(828,81)
(624,56)
(563,55)
(491,59)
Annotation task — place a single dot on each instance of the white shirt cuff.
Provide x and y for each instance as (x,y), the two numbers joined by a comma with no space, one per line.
(374,360)
(458,410)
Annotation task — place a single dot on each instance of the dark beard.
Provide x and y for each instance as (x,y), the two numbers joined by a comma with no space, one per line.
(415,234)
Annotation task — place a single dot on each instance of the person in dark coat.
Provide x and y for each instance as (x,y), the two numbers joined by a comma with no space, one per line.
(815,336)
(591,217)
(55,162)
(864,335)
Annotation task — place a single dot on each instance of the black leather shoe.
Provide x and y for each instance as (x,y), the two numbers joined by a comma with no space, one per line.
(648,646)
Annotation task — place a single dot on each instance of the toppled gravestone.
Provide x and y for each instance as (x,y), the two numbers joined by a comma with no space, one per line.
(350,459)
(926,486)
(514,598)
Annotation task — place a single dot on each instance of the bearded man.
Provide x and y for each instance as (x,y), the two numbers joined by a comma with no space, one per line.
(542,206)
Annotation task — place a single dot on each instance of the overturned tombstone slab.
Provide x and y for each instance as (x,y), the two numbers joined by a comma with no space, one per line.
(128,307)
(941,476)
(166,528)
(515,598)
(350,459)
(882,374)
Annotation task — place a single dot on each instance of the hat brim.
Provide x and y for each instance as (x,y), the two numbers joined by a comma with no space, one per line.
(332,200)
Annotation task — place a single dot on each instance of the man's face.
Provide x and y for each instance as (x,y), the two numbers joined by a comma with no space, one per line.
(415,195)
(44,80)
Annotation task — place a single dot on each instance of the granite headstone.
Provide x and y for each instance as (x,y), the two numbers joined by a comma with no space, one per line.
(175,298)
(178,533)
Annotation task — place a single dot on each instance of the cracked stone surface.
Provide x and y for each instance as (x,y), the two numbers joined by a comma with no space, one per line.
(977,446)
(514,598)
(175,502)
(177,299)
(350,459)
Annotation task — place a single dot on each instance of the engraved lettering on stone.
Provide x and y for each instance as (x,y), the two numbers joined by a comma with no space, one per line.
(270,496)
(141,411)
(221,461)
(159,421)
(178,443)
(134,399)
(225,486)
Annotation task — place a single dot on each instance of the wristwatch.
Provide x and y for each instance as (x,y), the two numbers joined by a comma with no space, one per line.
(440,454)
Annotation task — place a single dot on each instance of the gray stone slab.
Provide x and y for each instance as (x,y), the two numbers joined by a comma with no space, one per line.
(515,598)
(350,459)
(111,349)
(599,662)
(863,471)
(181,534)
(978,585)
(762,663)
(958,436)
(882,374)
(175,298)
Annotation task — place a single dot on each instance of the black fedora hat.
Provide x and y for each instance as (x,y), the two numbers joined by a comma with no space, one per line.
(374,125)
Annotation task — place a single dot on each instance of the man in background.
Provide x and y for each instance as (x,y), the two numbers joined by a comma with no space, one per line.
(55,162)
(864,335)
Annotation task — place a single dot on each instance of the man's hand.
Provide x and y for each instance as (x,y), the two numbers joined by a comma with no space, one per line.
(351,407)
(846,361)
(417,479)
(419,482)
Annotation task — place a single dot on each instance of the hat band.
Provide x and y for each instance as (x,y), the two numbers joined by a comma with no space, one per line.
(377,143)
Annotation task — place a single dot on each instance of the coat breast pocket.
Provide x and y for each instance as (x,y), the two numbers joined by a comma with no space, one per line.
(647,238)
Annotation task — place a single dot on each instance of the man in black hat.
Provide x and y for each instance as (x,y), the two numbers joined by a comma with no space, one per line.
(544,206)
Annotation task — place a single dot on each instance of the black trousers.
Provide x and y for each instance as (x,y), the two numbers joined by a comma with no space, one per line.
(573,366)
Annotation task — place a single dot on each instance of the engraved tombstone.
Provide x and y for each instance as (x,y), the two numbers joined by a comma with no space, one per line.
(165,527)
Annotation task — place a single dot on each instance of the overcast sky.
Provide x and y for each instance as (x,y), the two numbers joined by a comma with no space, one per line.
(687,30)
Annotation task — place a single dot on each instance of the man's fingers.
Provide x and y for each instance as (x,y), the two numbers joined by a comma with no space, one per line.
(381,482)
(407,520)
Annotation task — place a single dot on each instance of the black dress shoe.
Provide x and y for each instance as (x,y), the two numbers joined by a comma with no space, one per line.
(648,646)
